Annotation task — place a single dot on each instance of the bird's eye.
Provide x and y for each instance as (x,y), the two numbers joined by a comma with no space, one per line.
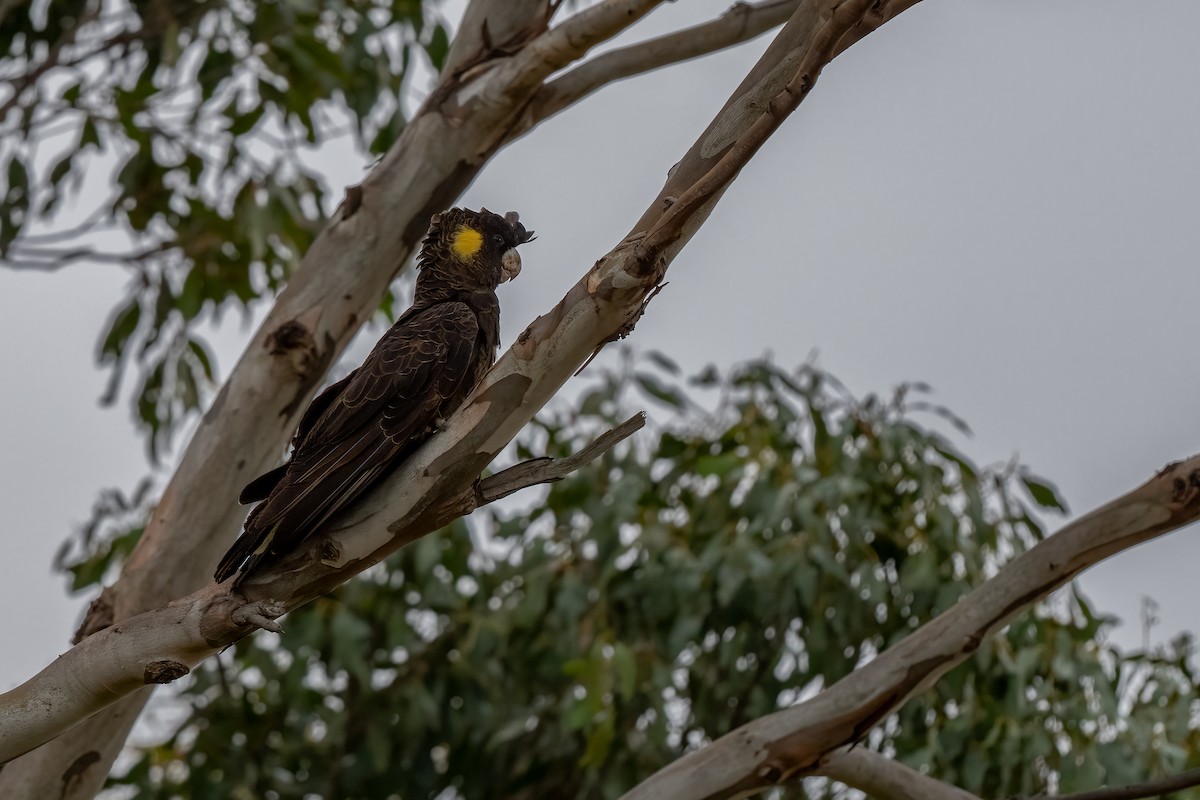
(497,238)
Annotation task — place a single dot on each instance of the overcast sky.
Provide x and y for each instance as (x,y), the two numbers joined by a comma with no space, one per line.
(997,197)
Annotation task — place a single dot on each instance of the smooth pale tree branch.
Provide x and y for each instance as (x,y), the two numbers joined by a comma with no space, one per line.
(817,27)
(1156,788)
(490,27)
(435,485)
(740,23)
(795,741)
(883,778)
(548,470)
(154,647)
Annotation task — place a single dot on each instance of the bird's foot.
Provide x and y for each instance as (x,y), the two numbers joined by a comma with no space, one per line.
(260,614)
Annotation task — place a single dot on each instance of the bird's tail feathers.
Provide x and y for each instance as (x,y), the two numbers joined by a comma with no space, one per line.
(247,551)
(260,487)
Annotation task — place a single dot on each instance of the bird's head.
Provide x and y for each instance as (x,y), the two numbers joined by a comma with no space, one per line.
(468,250)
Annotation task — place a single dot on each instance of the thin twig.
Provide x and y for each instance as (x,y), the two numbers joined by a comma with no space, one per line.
(740,23)
(23,82)
(55,258)
(883,778)
(43,239)
(547,469)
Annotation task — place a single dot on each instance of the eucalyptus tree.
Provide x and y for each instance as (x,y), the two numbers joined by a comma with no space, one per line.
(205,106)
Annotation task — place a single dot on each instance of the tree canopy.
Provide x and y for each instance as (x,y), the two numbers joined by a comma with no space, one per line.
(209,115)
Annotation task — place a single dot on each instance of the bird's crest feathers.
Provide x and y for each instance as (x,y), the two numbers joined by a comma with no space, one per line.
(462,237)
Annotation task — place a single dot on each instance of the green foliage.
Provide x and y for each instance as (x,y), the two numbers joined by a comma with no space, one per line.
(207,113)
(724,565)
(117,522)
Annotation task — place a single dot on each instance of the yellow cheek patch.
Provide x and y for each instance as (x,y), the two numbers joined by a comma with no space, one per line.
(466,242)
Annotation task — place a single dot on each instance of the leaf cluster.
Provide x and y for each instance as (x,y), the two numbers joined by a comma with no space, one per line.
(208,115)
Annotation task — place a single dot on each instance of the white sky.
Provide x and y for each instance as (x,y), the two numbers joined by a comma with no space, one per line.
(999,198)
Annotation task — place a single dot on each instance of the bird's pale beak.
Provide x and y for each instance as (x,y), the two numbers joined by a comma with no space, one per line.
(510,265)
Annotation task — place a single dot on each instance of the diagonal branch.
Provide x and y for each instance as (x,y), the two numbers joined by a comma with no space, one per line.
(740,23)
(50,258)
(884,778)
(548,470)
(492,27)
(795,741)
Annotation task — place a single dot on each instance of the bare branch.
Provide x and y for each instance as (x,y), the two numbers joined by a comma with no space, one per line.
(568,42)
(491,27)
(23,257)
(101,669)
(884,778)
(1156,788)
(18,265)
(66,234)
(740,23)
(549,470)
(794,741)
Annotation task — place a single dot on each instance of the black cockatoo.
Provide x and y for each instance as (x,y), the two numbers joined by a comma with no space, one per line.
(422,369)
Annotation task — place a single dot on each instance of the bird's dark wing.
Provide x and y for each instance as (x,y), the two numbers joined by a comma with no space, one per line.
(260,488)
(317,408)
(420,370)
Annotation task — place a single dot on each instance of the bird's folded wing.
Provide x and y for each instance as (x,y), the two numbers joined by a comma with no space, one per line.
(384,410)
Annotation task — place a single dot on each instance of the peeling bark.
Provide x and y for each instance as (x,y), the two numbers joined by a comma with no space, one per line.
(165,671)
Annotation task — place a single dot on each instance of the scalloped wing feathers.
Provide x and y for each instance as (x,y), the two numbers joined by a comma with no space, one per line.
(362,426)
